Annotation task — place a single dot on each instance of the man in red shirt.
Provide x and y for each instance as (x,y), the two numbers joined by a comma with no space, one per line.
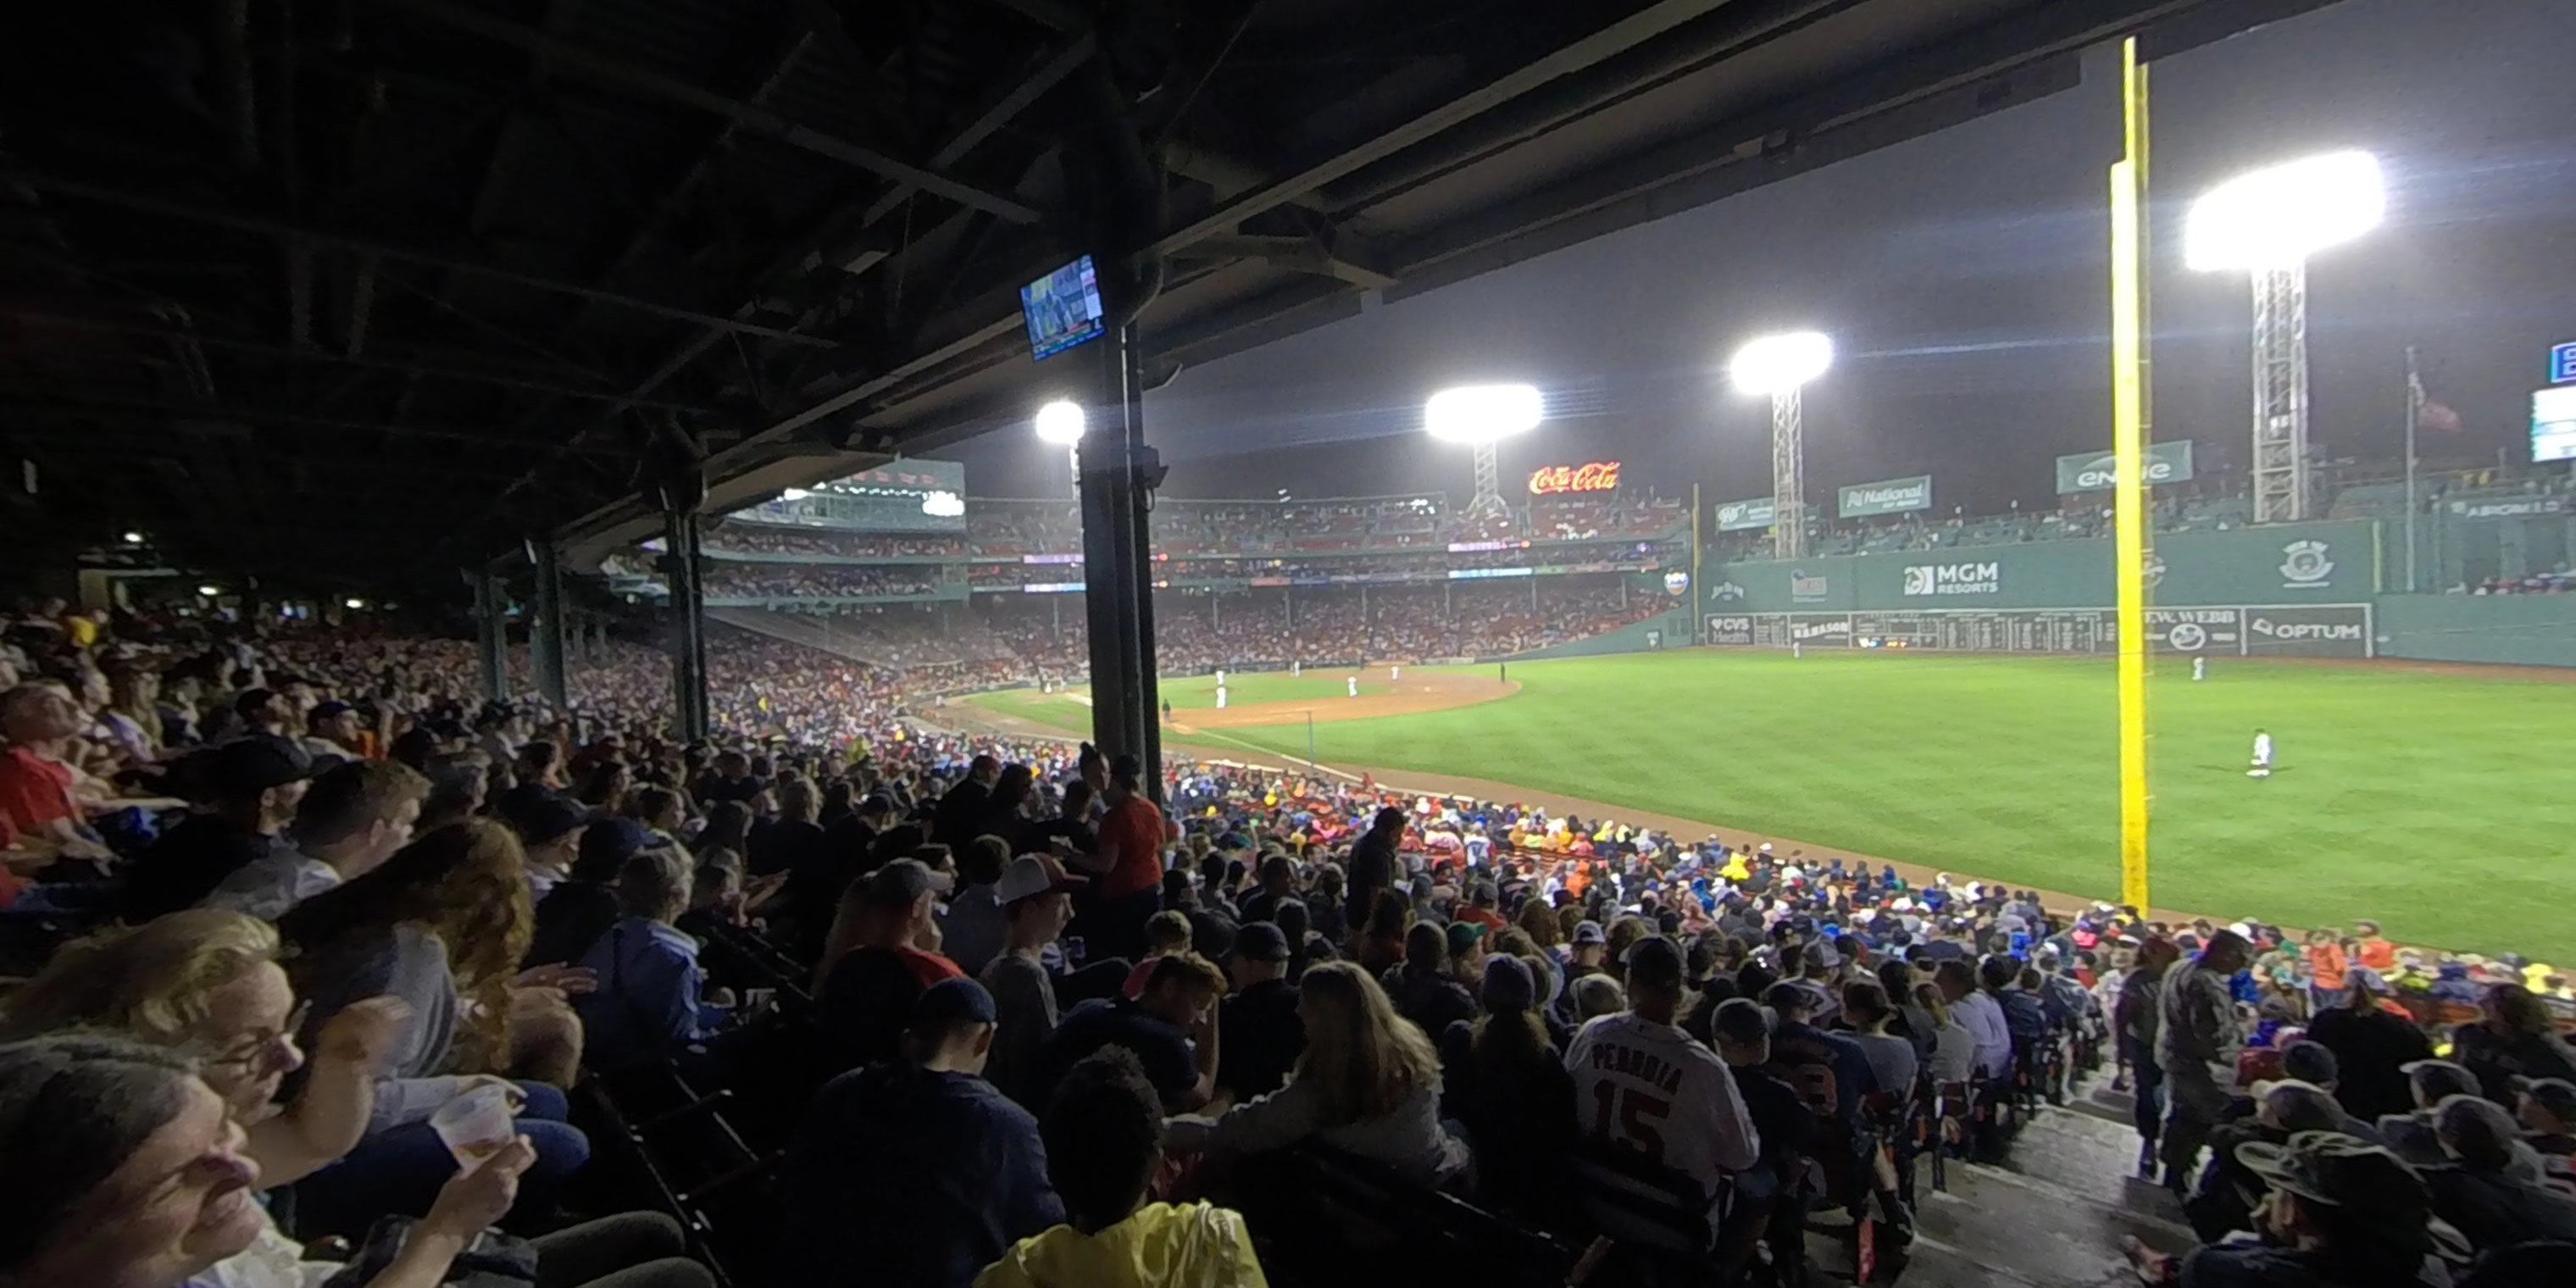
(1128,866)
(35,783)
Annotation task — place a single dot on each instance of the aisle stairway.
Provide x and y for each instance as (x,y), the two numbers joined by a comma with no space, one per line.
(2051,1216)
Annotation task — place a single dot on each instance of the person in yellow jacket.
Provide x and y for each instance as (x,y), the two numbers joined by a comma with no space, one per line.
(1735,869)
(1103,1132)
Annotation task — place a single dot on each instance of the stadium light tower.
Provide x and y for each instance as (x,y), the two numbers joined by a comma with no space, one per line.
(1482,416)
(1781,366)
(2268,224)
(1061,422)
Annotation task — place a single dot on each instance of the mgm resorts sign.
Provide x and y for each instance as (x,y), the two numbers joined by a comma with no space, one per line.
(1953,579)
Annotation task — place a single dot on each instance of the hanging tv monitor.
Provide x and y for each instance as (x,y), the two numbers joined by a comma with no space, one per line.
(1063,309)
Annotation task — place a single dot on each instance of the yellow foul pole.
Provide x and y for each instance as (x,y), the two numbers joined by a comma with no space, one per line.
(2128,449)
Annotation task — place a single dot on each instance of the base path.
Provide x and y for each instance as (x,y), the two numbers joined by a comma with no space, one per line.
(1414,694)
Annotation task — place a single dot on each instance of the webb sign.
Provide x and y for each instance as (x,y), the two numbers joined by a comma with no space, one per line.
(1895,496)
(2094,471)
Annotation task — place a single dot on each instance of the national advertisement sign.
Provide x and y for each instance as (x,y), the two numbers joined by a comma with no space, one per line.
(1893,496)
(1736,516)
(2096,471)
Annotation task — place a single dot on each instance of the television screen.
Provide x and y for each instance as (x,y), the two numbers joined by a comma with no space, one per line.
(1062,309)
(2553,424)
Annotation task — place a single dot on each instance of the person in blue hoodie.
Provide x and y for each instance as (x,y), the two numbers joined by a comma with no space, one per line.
(651,1003)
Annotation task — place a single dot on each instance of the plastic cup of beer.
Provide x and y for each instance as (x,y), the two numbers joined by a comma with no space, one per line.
(476,1125)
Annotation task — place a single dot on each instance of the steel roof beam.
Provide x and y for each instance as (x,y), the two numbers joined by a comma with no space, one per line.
(572,59)
(1618,37)
(290,234)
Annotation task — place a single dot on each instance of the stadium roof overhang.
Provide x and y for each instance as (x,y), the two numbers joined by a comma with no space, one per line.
(394,284)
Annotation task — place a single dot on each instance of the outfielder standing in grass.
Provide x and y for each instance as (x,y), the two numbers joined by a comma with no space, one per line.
(2262,767)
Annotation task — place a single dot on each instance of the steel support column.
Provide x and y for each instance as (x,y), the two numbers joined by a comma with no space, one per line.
(2280,454)
(1117,554)
(546,630)
(1788,476)
(680,567)
(492,635)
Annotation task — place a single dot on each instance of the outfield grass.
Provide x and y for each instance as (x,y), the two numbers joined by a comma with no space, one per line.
(2439,805)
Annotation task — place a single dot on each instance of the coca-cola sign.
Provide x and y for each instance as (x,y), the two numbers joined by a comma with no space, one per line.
(1595,476)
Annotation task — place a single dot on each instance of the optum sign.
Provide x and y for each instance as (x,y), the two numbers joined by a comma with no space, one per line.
(2096,471)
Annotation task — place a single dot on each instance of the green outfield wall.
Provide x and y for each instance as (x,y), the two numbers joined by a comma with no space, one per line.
(2323,563)
(1662,631)
(2509,630)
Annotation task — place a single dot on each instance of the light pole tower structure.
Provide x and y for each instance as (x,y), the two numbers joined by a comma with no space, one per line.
(1781,366)
(1481,416)
(2268,224)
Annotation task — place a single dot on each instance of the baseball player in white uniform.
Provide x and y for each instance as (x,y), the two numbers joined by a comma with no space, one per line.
(1220,677)
(2262,767)
(1354,682)
(1395,673)
(2200,668)
(1220,697)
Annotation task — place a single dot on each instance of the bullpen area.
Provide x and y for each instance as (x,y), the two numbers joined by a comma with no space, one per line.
(2434,800)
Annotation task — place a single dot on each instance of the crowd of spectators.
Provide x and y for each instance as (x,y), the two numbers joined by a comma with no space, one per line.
(816,581)
(303,919)
(2559,582)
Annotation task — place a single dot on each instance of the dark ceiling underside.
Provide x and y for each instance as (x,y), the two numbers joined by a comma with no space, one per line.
(372,289)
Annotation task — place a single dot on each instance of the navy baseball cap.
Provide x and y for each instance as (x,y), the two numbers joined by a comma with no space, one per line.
(949,1005)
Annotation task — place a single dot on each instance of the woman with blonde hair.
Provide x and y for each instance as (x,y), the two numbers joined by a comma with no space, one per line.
(207,984)
(442,926)
(1368,1082)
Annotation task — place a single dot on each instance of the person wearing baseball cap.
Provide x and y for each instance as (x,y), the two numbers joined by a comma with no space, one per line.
(583,905)
(2338,1212)
(331,729)
(1507,1084)
(1257,1023)
(918,1166)
(251,786)
(1035,893)
(883,951)
(550,830)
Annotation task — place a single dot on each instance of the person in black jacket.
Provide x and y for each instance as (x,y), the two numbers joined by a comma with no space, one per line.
(1504,1080)
(2371,1047)
(1373,864)
(961,808)
(583,905)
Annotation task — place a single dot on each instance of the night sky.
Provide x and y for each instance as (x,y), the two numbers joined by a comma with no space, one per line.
(1964,277)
